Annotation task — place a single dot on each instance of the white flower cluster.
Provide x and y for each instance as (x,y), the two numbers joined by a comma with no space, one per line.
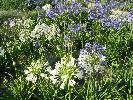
(32,71)
(27,23)
(13,22)
(23,25)
(90,60)
(64,72)
(84,63)
(18,22)
(48,31)
(31,77)
(24,35)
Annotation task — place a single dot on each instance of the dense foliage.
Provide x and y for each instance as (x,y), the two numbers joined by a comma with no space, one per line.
(67,50)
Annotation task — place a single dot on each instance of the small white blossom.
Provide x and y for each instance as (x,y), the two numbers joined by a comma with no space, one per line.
(12,23)
(22,38)
(62,85)
(64,78)
(29,68)
(80,74)
(48,31)
(26,71)
(53,78)
(19,22)
(46,64)
(44,75)
(58,47)
(72,83)
(47,7)
(64,70)
(48,69)
(31,77)
(72,61)
(102,57)
(53,72)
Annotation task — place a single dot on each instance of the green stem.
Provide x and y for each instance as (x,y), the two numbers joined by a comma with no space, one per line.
(87,90)
(69,88)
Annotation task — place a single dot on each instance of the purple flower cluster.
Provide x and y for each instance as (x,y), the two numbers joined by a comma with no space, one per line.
(51,14)
(131,10)
(60,9)
(69,37)
(109,22)
(74,27)
(94,49)
(100,13)
(92,58)
(130,17)
(127,17)
(96,13)
(74,8)
(111,5)
(91,48)
(86,1)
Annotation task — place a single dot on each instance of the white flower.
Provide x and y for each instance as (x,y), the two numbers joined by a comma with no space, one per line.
(62,85)
(31,77)
(47,7)
(19,22)
(53,78)
(58,65)
(33,34)
(80,74)
(72,61)
(34,79)
(44,75)
(38,62)
(32,63)
(53,72)
(46,63)
(12,23)
(22,37)
(65,77)
(26,71)
(58,47)
(48,69)
(102,57)
(29,68)
(72,83)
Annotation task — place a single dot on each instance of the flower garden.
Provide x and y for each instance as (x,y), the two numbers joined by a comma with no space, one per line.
(66,50)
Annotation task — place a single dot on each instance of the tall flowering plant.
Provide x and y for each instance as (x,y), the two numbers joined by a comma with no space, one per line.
(92,59)
(64,72)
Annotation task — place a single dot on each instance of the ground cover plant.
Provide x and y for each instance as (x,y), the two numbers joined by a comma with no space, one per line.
(67,50)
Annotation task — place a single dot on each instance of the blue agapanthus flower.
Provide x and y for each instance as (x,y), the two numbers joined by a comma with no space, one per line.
(92,58)
(86,1)
(74,27)
(60,8)
(36,44)
(74,8)
(51,14)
